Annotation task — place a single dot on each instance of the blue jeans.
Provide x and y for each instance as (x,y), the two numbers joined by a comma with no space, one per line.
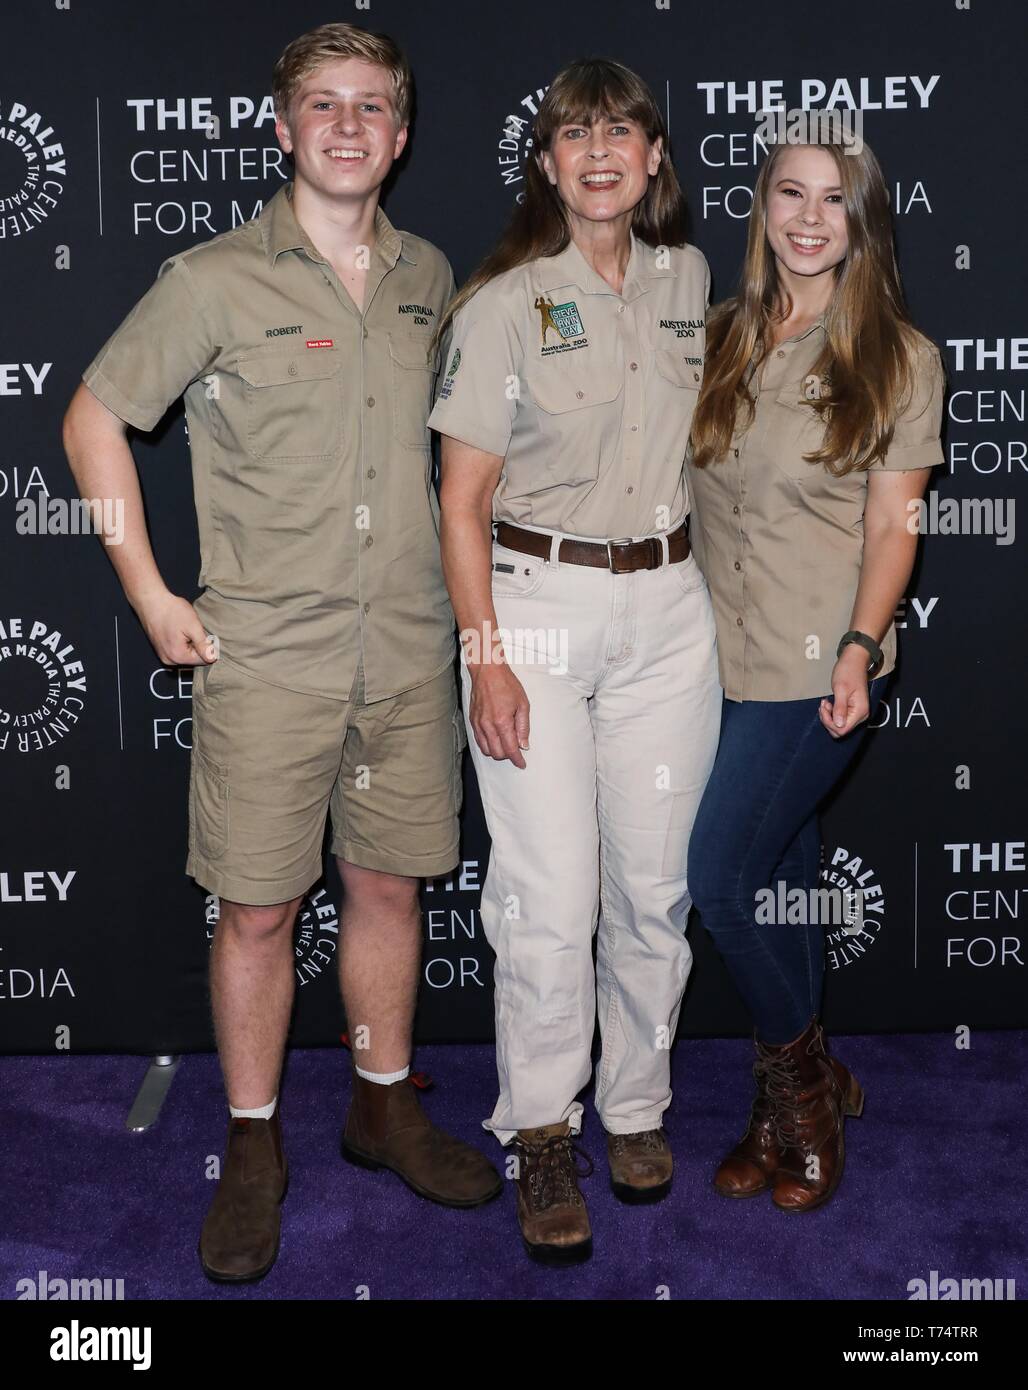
(757,825)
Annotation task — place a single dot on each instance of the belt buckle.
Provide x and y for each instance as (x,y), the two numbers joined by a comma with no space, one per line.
(623,540)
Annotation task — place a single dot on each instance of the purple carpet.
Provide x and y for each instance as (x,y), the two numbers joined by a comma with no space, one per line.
(933,1181)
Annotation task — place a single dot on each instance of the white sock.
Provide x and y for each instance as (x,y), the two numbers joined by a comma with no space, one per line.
(263,1112)
(384,1078)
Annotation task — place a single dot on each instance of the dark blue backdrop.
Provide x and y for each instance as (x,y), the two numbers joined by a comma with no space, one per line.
(103,940)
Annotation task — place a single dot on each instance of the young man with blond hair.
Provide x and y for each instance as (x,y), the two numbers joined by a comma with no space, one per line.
(323,638)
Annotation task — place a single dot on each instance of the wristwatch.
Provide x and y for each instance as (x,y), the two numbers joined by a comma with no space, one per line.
(868,643)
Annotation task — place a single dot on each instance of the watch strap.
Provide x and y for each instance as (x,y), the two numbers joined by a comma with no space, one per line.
(869,644)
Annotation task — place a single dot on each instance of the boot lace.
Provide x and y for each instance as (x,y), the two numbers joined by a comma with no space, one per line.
(793,1115)
(552,1171)
(783,1081)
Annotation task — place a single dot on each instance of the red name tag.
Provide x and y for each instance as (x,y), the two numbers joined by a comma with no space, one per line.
(320,342)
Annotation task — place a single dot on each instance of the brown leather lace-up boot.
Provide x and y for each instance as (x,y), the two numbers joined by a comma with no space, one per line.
(387,1128)
(551,1210)
(641,1165)
(812,1093)
(239,1239)
(750,1167)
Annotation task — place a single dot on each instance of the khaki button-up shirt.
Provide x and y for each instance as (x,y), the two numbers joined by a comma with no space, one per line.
(587,395)
(781,541)
(318,520)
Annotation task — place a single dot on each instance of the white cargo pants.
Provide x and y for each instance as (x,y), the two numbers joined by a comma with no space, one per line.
(621,675)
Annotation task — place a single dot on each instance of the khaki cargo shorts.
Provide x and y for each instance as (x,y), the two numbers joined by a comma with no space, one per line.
(269,764)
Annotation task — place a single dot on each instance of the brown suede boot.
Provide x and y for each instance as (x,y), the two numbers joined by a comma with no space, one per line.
(551,1211)
(812,1093)
(239,1239)
(750,1167)
(387,1128)
(641,1165)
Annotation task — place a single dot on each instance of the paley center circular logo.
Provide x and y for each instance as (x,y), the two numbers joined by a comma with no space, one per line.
(515,142)
(42,685)
(845,869)
(315,935)
(33,169)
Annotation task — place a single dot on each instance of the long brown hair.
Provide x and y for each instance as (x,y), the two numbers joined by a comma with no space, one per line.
(586,91)
(867,360)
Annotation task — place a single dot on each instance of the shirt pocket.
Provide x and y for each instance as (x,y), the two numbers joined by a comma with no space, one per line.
(572,438)
(684,376)
(794,428)
(414,366)
(673,367)
(293,407)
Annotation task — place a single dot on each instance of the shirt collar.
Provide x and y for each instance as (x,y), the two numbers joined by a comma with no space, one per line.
(570,267)
(280,231)
(819,322)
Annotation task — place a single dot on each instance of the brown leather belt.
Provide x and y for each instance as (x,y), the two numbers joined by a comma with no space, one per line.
(620,557)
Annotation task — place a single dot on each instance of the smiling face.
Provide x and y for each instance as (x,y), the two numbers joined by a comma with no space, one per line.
(601,170)
(806,216)
(341,128)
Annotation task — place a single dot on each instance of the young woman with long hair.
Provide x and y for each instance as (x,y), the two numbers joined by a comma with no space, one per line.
(816,430)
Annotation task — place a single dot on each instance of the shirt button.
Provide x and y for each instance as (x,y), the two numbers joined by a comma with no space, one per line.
(580,394)
(621,308)
(735,511)
(364,333)
(634,428)
(695,376)
(629,489)
(292,369)
(738,622)
(371,400)
(738,566)
(370,541)
(367,608)
(735,452)
(634,366)
(779,353)
(371,472)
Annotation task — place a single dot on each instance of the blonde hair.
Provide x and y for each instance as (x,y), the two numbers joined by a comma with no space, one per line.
(332,41)
(870,346)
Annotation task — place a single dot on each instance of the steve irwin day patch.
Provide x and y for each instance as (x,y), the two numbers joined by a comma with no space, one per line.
(564,322)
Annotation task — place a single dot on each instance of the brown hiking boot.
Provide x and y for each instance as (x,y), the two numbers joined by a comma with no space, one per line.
(387,1128)
(551,1210)
(812,1093)
(640,1165)
(239,1238)
(750,1167)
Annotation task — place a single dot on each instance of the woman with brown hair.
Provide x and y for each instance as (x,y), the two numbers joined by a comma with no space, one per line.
(573,371)
(812,443)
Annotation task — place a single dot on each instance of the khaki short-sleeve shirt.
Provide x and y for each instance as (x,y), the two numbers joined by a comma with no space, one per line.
(781,541)
(586,395)
(311,455)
